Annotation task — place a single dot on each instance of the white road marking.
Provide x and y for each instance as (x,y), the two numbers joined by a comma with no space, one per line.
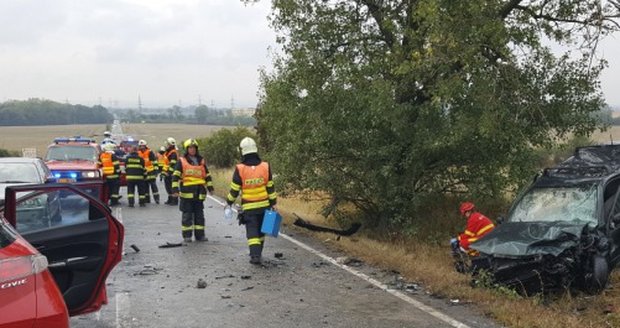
(421,306)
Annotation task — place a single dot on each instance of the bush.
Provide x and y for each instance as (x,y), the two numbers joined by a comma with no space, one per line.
(222,148)
(9,153)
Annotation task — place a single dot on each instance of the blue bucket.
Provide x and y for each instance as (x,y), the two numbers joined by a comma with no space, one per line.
(271,223)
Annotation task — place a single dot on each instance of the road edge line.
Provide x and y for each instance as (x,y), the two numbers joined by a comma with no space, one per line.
(421,306)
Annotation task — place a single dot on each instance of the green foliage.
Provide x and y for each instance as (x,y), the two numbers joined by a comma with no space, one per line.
(221,149)
(386,104)
(8,153)
(47,112)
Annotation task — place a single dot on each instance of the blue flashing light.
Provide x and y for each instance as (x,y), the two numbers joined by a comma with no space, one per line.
(57,175)
(75,139)
(73,175)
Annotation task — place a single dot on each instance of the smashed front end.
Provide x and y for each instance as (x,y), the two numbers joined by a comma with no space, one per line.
(535,257)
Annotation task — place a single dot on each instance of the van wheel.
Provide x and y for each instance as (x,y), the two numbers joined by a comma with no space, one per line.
(600,275)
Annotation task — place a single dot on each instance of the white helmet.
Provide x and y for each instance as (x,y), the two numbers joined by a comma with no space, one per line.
(107,134)
(248,146)
(171,142)
(142,142)
(162,149)
(110,146)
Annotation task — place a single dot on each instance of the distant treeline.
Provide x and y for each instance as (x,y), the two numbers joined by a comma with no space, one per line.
(202,115)
(47,112)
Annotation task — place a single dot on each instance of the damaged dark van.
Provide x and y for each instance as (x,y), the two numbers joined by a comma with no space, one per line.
(563,231)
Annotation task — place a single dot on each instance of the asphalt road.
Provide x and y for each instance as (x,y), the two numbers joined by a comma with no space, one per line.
(157,287)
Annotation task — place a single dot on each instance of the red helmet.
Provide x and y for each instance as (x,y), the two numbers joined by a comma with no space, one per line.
(466,206)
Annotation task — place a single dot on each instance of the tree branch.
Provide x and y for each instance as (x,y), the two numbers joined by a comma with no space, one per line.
(508,8)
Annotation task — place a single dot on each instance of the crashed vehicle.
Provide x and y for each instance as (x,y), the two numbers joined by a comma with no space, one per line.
(563,231)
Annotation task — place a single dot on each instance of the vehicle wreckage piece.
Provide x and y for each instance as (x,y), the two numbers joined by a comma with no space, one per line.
(563,231)
(348,232)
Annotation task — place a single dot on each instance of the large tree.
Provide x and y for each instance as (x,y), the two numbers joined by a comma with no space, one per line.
(383,103)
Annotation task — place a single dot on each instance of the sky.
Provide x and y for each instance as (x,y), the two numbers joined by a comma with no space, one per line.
(166,52)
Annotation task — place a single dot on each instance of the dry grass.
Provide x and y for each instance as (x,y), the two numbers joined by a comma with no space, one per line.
(39,137)
(613,133)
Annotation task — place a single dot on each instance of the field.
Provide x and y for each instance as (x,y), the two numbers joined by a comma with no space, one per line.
(613,133)
(39,137)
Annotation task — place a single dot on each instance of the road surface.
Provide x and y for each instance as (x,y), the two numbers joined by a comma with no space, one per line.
(157,287)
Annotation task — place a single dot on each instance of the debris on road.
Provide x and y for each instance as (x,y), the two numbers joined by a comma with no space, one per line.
(350,261)
(304,224)
(247,288)
(148,270)
(225,297)
(170,245)
(201,283)
(278,255)
(224,277)
(245,277)
(319,264)
(227,236)
(135,248)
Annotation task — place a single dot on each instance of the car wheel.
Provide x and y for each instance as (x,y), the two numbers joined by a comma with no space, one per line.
(600,275)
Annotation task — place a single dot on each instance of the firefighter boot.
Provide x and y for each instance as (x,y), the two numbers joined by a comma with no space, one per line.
(255,254)
(167,202)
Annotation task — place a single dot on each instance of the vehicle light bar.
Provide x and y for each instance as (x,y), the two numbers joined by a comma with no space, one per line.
(77,139)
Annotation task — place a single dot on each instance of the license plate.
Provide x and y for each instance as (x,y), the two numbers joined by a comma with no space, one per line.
(66,180)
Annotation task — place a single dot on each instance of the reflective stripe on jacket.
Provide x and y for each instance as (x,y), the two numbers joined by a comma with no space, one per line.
(170,156)
(191,181)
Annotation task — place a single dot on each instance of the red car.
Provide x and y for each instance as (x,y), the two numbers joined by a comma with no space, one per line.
(52,269)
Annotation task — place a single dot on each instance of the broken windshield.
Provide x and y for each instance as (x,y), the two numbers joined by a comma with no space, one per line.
(568,204)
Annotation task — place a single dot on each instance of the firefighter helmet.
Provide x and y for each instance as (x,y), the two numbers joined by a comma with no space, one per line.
(142,142)
(248,146)
(162,149)
(107,134)
(171,142)
(190,142)
(466,206)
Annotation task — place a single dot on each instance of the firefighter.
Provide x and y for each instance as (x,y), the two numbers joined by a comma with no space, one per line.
(191,181)
(150,164)
(170,158)
(252,178)
(478,225)
(135,173)
(110,165)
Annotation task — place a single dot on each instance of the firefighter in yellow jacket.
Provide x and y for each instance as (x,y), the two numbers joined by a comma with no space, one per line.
(111,168)
(252,178)
(191,182)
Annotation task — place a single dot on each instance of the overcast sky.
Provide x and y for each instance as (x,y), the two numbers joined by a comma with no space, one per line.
(169,52)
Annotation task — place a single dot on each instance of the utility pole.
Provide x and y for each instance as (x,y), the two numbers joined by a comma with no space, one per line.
(232,102)
(139,104)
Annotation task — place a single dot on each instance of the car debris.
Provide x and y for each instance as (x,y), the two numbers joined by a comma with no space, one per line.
(135,248)
(247,288)
(171,245)
(278,255)
(201,283)
(350,261)
(563,231)
(224,277)
(307,225)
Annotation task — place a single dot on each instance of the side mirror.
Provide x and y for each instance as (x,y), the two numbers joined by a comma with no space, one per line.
(500,219)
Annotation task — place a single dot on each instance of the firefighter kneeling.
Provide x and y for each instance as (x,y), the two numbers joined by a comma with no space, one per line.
(191,181)
(478,225)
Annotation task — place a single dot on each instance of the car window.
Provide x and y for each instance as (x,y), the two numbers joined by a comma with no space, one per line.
(6,237)
(18,173)
(54,209)
(568,204)
(68,153)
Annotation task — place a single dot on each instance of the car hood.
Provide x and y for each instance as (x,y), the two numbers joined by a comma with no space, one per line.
(71,165)
(524,239)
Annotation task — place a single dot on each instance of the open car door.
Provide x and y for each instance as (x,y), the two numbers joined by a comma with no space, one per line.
(75,231)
